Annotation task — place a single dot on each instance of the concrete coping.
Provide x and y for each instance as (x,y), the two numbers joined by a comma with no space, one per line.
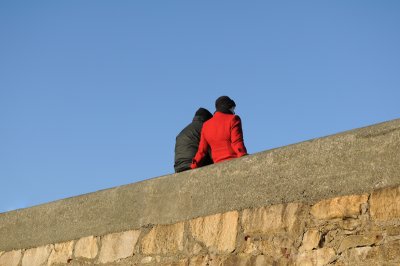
(352,162)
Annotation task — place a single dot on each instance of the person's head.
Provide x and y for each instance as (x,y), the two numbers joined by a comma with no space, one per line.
(226,105)
(203,113)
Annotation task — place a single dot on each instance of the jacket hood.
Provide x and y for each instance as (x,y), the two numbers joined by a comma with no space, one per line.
(202,114)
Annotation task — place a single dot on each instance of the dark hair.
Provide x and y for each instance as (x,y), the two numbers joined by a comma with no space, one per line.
(223,104)
(204,113)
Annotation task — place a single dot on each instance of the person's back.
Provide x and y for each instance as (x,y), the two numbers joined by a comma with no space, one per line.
(187,142)
(222,134)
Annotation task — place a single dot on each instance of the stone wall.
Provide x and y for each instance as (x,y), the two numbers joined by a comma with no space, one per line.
(359,229)
(327,201)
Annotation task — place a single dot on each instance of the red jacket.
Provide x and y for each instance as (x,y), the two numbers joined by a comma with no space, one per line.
(223,135)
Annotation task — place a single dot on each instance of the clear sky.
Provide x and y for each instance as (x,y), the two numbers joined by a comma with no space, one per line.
(93,93)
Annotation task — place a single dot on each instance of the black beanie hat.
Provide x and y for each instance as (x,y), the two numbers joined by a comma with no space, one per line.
(204,113)
(224,103)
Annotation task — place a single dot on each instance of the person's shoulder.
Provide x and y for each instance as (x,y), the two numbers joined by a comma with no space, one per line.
(235,117)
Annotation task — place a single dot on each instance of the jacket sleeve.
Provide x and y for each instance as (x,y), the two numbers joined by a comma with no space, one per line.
(202,151)
(237,137)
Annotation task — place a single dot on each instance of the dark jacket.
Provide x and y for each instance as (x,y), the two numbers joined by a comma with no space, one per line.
(187,143)
(223,135)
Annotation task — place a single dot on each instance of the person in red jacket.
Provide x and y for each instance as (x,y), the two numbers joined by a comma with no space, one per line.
(222,134)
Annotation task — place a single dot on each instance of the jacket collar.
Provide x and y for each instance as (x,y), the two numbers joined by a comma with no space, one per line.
(218,113)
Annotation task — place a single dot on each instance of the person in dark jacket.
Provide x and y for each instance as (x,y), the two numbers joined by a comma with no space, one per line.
(187,142)
(222,134)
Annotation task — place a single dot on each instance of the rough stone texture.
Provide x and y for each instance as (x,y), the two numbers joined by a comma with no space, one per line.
(270,219)
(358,241)
(385,204)
(352,162)
(356,256)
(339,207)
(183,262)
(37,256)
(283,234)
(61,253)
(86,247)
(163,239)
(218,232)
(252,221)
(146,260)
(11,258)
(311,240)
(118,246)
(317,257)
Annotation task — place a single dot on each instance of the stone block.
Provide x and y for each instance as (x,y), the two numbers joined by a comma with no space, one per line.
(199,261)
(218,232)
(317,257)
(385,204)
(262,260)
(147,260)
(164,239)
(251,246)
(359,256)
(339,207)
(86,247)
(10,258)
(195,249)
(271,218)
(390,251)
(237,260)
(118,246)
(37,256)
(61,253)
(311,240)
(245,260)
(358,241)
(278,246)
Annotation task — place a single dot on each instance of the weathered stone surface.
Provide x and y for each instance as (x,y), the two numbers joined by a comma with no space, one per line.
(358,241)
(386,254)
(339,207)
(86,247)
(195,249)
(350,224)
(270,219)
(317,257)
(244,260)
(352,162)
(11,258)
(61,253)
(237,260)
(251,246)
(358,256)
(183,262)
(163,239)
(311,240)
(199,260)
(262,260)
(118,246)
(385,204)
(218,232)
(37,256)
(147,260)
(278,247)
(390,251)
(392,230)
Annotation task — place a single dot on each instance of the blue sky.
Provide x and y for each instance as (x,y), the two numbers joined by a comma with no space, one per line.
(93,93)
